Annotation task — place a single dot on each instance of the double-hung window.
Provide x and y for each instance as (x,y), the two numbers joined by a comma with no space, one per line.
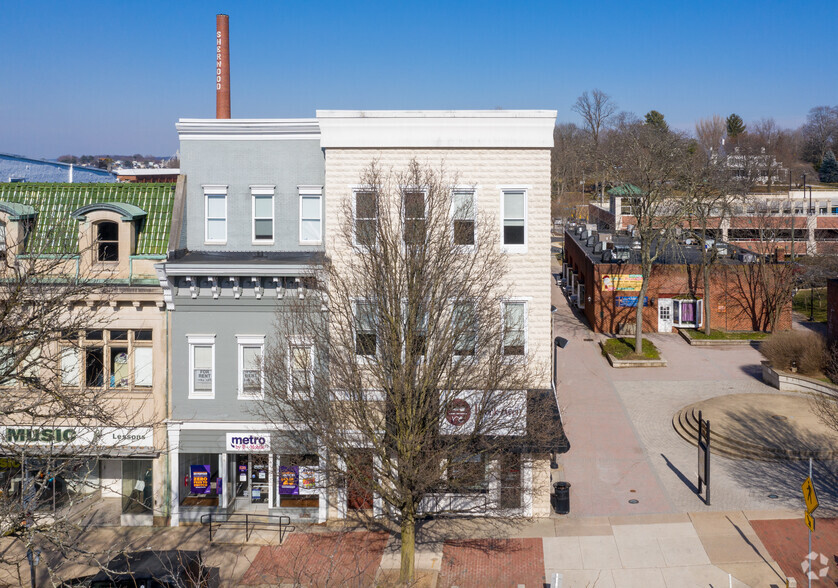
(414,217)
(300,369)
(201,366)
(514,207)
(251,371)
(365,328)
(366,217)
(215,214)
(514,328)
(311,215)
(464,326)
(463,217)
(263,214)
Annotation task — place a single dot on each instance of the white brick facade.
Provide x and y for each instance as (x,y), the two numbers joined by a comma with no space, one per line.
(488,170)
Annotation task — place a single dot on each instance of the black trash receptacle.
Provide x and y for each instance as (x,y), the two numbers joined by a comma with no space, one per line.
(561,497)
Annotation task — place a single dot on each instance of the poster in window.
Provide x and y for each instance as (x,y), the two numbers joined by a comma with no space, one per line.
(199,479)
(242,472)
(203,376)
(288,479)
(307,479)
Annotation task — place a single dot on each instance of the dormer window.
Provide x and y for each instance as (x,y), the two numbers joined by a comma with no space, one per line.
(107,241)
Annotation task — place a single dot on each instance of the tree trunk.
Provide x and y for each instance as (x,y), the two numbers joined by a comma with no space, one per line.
(707,299)
(638,316)
(408,551)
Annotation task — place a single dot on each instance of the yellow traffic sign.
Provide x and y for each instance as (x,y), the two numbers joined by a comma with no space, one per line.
(809,495)
(810,522)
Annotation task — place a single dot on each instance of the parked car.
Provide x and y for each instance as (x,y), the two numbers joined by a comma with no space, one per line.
(174,568)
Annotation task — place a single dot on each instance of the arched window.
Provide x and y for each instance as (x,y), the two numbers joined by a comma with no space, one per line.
(107,241)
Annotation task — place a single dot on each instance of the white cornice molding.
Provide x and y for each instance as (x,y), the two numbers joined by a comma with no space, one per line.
(388,129)
(236,269)
(247,129)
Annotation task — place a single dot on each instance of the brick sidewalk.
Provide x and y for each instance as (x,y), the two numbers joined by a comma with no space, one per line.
(492,562)
(787,541)
(319,559)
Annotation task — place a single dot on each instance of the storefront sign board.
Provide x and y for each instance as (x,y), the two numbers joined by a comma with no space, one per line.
(137,438)
(504,412)
(622,282)
(249,442)
(630,301)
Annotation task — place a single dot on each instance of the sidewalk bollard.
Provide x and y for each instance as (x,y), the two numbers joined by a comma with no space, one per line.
(556,581)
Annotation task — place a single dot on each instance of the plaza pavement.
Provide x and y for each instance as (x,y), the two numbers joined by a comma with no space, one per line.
(623,447)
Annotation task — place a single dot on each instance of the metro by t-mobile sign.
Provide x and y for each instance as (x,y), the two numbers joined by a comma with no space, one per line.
(249,442)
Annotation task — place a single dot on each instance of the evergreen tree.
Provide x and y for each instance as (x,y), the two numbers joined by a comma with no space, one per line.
(735,126)
(828,172)
(655,120)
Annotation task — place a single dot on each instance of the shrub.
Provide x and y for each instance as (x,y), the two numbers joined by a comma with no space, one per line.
(800,351)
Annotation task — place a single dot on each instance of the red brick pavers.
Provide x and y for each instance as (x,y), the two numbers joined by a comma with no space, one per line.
(787,541)
(500,563)
(319,559)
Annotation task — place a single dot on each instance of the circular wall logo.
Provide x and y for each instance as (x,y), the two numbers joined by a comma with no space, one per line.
(458,412)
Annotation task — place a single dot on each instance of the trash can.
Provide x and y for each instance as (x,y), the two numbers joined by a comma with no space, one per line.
(561,497)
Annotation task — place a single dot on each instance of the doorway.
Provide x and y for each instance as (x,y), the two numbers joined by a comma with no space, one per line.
(252,482)
(664,315)
(358,495)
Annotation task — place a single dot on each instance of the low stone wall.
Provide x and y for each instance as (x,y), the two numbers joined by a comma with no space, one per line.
(714,342)
(631,363)
(788,382)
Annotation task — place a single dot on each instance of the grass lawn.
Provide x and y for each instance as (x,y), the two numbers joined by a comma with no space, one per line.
(803,299)
(726,335)
(623,348)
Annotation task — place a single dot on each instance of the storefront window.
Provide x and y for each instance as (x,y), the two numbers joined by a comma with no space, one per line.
(297,481)
(199,479)
(48,484)
(137,484)
(687,313)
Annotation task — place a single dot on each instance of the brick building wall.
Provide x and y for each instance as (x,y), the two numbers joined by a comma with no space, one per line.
(736,302)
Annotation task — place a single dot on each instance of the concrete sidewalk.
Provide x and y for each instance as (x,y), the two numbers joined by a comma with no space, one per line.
(668,550)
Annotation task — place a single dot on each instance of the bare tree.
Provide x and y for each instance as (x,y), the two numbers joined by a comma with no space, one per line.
(409,376)
(569,165)
(710,133)
(649,163)
(596,110)
(820,133)
(762,288)
(710,197)
(54,418)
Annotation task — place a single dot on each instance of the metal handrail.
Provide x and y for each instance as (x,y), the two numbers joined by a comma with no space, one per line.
(284,522)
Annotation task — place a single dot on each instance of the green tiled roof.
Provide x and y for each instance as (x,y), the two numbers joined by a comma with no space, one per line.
(57,230)
(625,190)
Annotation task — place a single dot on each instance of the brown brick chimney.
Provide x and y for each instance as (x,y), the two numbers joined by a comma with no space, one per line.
(222,66)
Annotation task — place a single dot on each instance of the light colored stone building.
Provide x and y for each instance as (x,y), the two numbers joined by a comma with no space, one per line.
(504,157)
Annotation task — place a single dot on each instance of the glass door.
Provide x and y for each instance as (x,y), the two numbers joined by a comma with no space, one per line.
(259,478)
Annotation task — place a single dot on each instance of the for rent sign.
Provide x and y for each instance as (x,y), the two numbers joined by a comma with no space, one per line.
(249,442)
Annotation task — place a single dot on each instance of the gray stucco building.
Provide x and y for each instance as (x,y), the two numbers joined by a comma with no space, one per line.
(251,227)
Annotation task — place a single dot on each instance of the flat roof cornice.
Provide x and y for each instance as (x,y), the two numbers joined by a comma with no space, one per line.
(247,128)
(392,129)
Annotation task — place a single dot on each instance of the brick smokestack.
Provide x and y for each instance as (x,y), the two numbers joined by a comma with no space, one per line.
(222,66)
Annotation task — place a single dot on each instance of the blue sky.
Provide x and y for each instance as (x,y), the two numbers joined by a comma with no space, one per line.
(114,77)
